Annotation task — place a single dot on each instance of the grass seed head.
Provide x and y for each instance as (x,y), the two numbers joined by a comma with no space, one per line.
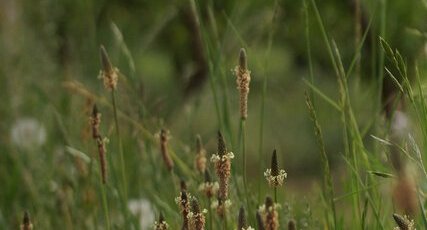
(241,220)
(274,175)
(95,121)
(196,216)
(164,149)
(405,195)
(161,224)
(403,222)
(259,221)
(108,72)
(292,225)
(222,149)
(26,222)
(243,78)
(200,159)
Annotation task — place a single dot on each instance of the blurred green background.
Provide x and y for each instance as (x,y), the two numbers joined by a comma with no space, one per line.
(49,45)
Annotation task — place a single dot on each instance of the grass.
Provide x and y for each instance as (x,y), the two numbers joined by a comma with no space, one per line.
(356,151)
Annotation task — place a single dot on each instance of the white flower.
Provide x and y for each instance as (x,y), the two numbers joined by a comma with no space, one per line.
(275,180)
(214,204)
(142,209)
(248,228)
(400,123)
(216,157)
(27,133)
(209,188)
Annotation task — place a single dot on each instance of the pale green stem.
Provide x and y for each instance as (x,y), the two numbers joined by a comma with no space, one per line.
(122,159)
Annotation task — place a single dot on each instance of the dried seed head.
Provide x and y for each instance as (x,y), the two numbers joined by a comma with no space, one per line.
(243,63)
(161,224)
(241,221)
(403,223)
(26,222)
(259,221)
(164,149)
(199,144)
(268,202)
(209,188)
(243,78)
(405,195)
(183,202)
(221,206)
(108,73)
(274,175)
(200,159)
(95,121)
(195,206)
(274,164)
(196,216)
(292,225)
(270,216)
(102,159)
(183,185)
(222,161)
(207,176)
(105,60)
(161,217)
(222,149)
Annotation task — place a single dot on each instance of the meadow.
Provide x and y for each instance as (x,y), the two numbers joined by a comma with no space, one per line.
(195,115)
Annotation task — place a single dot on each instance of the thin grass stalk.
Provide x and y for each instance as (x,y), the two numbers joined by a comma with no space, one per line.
(327,179)
(263,94)
(275,194)
(357,37)
(105,204)
(122,159)
(245,185)
(210,214)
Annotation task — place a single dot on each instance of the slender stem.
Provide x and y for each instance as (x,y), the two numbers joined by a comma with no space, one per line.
(122,162)
(105,203)
(173,181)
(275,194)
(245,185)
(210,214)
(122,159)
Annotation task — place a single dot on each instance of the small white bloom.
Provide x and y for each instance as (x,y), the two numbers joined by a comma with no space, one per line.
(214,204)
(400,123)
(215,157)
(275,180)
(27,133)
(227,203)
(142,209)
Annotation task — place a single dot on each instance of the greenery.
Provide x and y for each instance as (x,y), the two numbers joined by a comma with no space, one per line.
(336,91)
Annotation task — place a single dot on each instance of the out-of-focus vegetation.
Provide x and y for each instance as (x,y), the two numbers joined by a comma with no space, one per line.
(176,62)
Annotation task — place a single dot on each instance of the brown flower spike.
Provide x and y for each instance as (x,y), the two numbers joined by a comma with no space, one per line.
(109,73)
(274,175)
(259,221)
(26,222)
(403,222)
(95,121)
(196,216)
(269,213)
(241,221)
(209,188)
(200,160)
(183,201)
(243,78)
(164,149)
(161,224)
(222,161)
